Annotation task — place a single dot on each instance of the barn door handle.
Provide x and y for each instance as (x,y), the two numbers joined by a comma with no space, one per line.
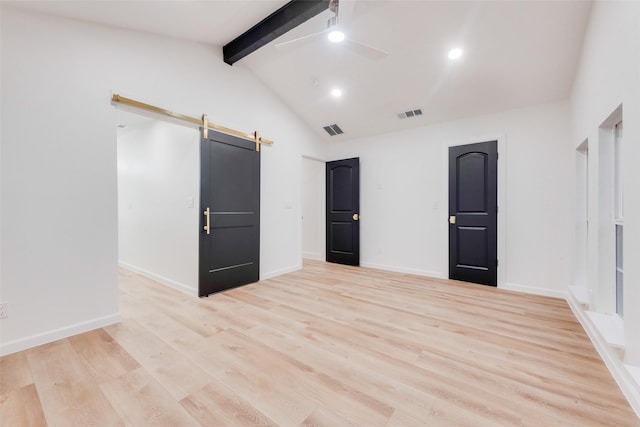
(452,219)
(207,227)
(356,217)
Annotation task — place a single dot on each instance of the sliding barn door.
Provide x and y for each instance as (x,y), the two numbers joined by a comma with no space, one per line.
(230,213)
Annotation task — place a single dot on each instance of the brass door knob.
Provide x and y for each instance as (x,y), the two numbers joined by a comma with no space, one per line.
(452,219)
(356,217)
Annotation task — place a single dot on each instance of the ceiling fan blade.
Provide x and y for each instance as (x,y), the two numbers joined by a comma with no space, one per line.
(301,40)
(365,50)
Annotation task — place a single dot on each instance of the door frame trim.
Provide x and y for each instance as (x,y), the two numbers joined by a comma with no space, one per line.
(502,193)
(322,229)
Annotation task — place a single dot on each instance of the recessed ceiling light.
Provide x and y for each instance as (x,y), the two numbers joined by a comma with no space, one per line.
(337,93)
(336,36)
(455,53)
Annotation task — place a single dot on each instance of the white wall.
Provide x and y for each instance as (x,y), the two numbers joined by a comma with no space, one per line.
(59,180)
(609,76)
(404,206)
(1,175)
(313,209)
(158,202)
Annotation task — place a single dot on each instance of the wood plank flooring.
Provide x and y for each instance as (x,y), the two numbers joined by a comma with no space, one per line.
(326,346)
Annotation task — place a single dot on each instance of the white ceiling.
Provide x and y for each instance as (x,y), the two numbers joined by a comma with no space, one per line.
(516,53)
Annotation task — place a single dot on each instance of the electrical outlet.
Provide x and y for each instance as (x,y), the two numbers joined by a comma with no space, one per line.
(4,310)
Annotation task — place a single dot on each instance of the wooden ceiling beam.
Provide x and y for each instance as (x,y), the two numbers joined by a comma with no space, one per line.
(273,26)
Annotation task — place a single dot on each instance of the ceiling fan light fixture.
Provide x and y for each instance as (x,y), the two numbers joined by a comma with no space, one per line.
(455,53)
(336,36)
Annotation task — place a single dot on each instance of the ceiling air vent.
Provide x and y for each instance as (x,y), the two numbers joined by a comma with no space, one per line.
(410,113)
(333,130)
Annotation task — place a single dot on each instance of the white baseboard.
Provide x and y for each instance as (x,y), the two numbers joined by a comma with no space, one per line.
(580,293)
(635,373)
(625,379)
(280,272)
(161,279)
(406,270)
(57,334)
(533,290)
(313,255)
(609,327)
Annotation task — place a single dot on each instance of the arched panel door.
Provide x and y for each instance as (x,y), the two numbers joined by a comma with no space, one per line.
(343,211)
(473,212)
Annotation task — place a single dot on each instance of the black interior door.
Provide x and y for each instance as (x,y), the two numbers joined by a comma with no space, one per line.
(473,209)
(230,213)
(343,211)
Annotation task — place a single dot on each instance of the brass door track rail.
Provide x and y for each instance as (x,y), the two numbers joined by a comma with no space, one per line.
(203,122)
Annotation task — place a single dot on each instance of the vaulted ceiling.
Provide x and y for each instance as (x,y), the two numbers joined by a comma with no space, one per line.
(515,54)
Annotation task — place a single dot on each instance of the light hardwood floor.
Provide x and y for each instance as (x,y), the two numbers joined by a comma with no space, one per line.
(326,346)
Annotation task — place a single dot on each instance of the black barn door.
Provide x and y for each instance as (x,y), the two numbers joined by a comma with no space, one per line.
(230,213)
(473,212)
(343,211)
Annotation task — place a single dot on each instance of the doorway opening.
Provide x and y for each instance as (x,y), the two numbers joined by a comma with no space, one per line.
(158,197)
(313,208)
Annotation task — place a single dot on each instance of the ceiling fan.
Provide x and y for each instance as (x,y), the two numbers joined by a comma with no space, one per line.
(334,33)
